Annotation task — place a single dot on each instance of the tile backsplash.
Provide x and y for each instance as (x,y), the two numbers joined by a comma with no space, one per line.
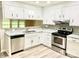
(59,26)
(75,29)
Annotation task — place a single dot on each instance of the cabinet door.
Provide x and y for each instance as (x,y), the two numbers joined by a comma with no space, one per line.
(38,14)
(27,41)
(46,39)
(19,14)
(25,16)
(35,39)
(7,11)
(73,14)
(66,13)
(72,46)
(13,12)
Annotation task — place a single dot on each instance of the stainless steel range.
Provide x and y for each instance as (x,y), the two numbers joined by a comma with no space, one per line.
(59,39)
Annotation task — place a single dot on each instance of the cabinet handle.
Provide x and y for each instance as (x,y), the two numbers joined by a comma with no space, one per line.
(31,41)
(12,14)
(16,15)
(72,20)
(39,37)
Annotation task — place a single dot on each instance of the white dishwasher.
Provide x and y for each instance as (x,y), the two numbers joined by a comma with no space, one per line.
(17,43)
(73,45)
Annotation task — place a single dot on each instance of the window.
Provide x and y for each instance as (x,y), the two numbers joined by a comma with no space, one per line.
(21,24)
(6,24)
(14,23)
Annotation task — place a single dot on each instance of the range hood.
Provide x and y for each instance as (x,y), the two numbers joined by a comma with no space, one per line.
(61,21)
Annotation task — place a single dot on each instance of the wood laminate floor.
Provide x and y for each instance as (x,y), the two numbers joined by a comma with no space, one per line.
(38,52)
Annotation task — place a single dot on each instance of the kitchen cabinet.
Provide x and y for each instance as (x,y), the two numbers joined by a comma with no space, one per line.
(34,14)
(75,14)
(46,39)
(27,42)
(62,13)
(12,12)
(66,13)
(52,14)
(73,46)
(26,14)
(7,12)
(15,12)
(34,39)
(71,13)
(31,39)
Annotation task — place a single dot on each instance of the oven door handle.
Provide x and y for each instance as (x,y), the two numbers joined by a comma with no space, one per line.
(58,36)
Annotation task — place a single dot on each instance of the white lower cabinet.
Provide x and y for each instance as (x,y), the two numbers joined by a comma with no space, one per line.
(27,41)
(73,46)
(33,39)
(46,39)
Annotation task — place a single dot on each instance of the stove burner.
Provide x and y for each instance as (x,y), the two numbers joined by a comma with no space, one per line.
(62,33)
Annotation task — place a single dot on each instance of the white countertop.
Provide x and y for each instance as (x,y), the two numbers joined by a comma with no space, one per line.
(14,33)
(74,35)
(43,30)
(19,32)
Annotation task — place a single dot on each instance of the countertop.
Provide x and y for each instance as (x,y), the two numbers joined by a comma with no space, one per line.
(74,35)
(19,32)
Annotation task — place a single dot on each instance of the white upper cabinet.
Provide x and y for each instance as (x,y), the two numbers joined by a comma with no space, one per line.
(6,12)
(16,10)
(66,13)
(72,13)
(32,14)
(26,13)
(74,16)
(51,14)
(12,12)
(19,12)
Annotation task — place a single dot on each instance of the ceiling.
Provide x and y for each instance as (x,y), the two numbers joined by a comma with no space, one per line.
(42,3)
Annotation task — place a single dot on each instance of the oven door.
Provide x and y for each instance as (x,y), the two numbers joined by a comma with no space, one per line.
(59,41)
